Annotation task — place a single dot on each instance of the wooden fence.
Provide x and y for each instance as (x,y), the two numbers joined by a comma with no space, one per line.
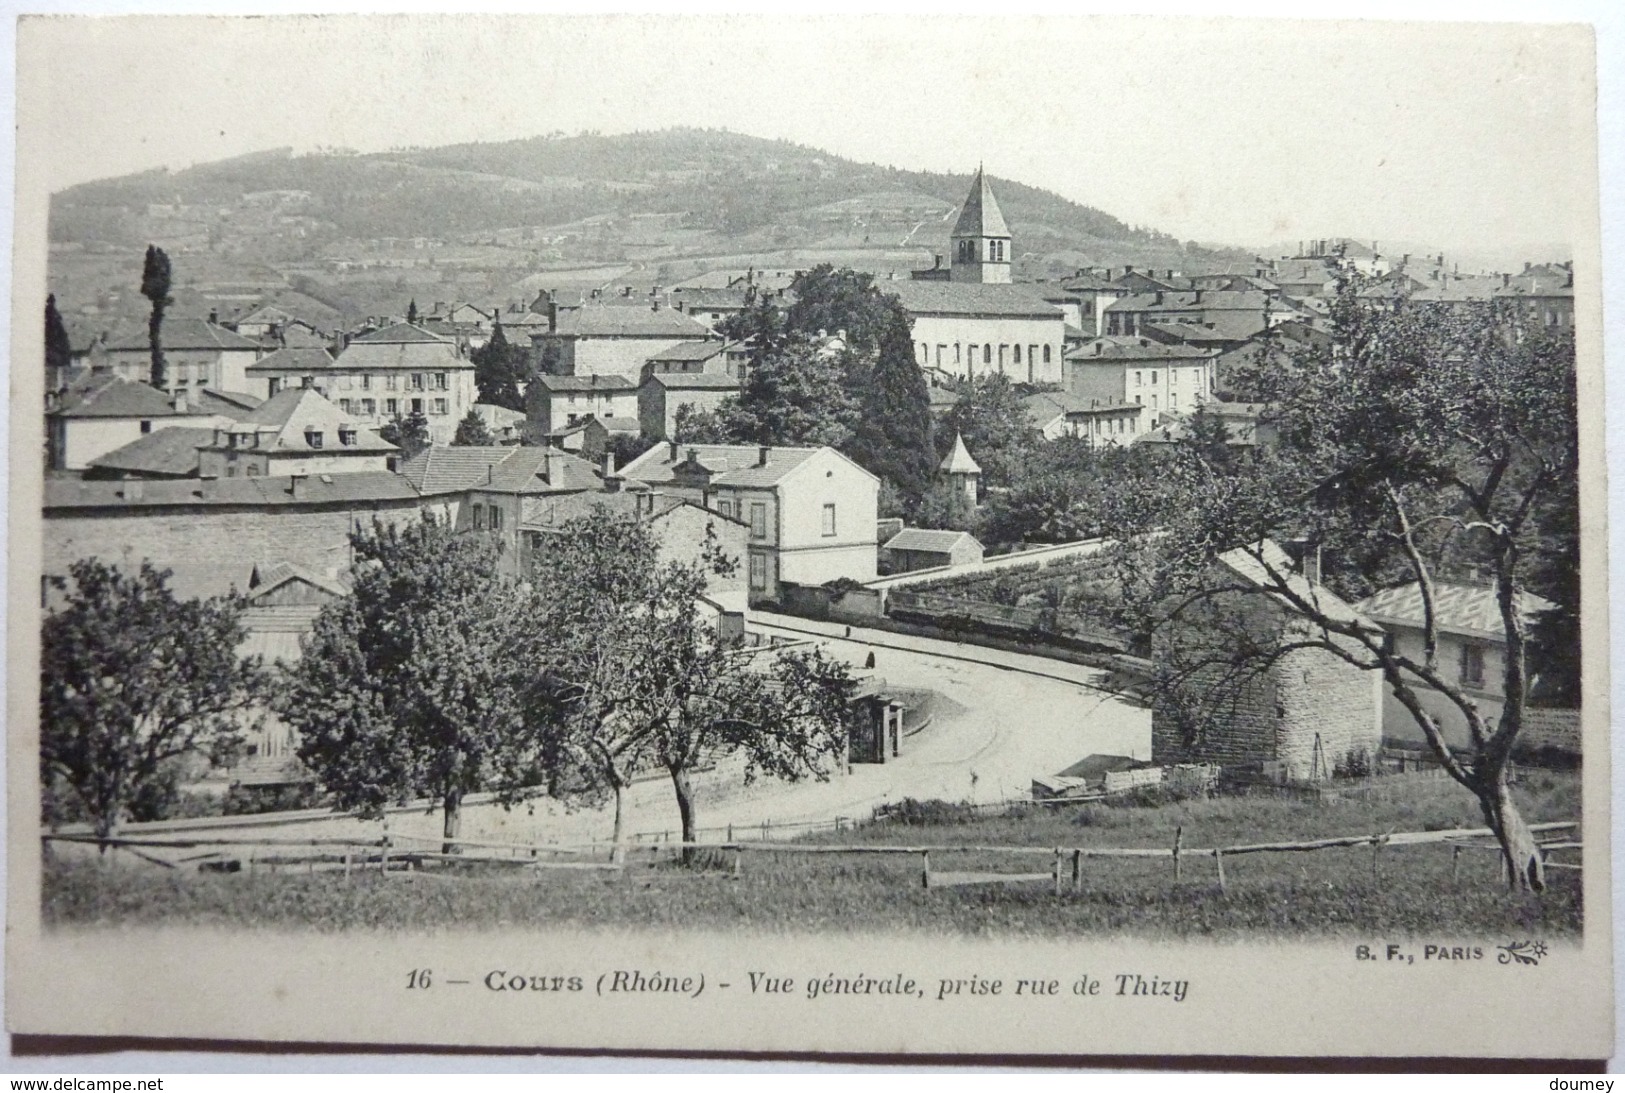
(396,854)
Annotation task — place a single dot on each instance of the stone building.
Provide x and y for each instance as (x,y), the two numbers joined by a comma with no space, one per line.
(1244,699)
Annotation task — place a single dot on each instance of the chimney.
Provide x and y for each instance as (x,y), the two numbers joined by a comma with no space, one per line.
(554,466)
(762,454)
(608,464)
(296,486)
(180,402)
(1159,297)
(1198,296)
(214,317)
(673,457)
(1506,280)
(1526,267)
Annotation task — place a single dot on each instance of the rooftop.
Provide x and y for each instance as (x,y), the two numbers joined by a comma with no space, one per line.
(1470,609)
(1112,348)
(290,417)
(292,359)
(727,464)
(170,452)
(180,334)
(318,489)
(440,469)
(968,298)
(603,321)
(689,351)
(694,381)
(114,397)
(593,382)
(958,460)
(926,539)
(980,214)
(398,334)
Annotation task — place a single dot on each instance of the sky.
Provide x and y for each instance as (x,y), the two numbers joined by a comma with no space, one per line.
(1235,131)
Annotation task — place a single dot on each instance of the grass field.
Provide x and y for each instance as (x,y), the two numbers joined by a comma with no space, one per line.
(1325,893)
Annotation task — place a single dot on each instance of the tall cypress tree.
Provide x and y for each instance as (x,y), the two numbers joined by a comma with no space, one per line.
(155,287)
(58,351)
(894,435)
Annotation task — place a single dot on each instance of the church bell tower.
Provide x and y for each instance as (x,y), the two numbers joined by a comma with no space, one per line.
(980,243)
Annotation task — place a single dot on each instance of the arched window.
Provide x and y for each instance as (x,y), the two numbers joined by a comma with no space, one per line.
(1018,354)
(1046,354)
(987,353)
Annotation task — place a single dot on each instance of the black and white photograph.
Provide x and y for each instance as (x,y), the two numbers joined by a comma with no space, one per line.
(929,535)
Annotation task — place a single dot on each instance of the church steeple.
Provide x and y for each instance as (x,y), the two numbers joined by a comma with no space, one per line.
(980,240)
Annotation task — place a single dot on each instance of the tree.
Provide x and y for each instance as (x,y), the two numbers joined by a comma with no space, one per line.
(693,426)
(412,312)
(133,679)
(499,369)
(410,434)
(58,350)
(155,287)
(472,433)
(798,396)
(1422,441)
(415,684)
(639,675)
(994,423)
(946,506)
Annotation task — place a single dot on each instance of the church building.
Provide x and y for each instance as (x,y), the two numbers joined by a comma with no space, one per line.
(970,319)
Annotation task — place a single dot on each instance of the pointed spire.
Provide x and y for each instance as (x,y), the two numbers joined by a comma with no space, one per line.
(981,215)
(959,460)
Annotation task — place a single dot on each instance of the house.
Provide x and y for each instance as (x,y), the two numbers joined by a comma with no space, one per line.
(1295,712)
(310,366)
(1542,296)
(485,488)
(969,319)
(1157,376)
(505,425)
(925,548)
(811,511)
(296,431)
(607,340)
(1094,293)
(102,414)
(305,520)
(1243,313)
(1471,651)
(1302,278)
(402,370)
(197,353)
(663,394)
(702,357)
(591,436)
(710,306)
(1246,425)
(556,403)
(1103,422)
(166,453)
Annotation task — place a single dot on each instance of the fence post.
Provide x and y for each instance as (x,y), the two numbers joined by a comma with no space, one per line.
(1455,862)
(1077,870)
(730,832)
(738,857)
(251,861)
(1179,838)
(1057,870)
(383,855)
(347,857)
(1218,860)
(1376,848)
(925,869)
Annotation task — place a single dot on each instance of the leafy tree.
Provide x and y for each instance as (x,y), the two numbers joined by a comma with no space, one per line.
(945,506)
(499,368)
(1206,433)
(410,434)
(798,396)
(414,685)
(1423,440)
(58,350)
(472,433)
(640,676)
(693,426)
(155,287)
(132,680)
(760,326)
(412,312)
(994,423)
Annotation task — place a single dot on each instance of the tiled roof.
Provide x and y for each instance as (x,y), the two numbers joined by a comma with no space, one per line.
(441,469)
(289,415)
(965,298)
(925,539)
(116,398)
(1216,299)
(263,580)
(709,381)
(1044,407)
(538,513)
(594,382)
(171,451)
(428,354)
(958,460)
(981,215)
(729,464)
(603,321)
(398,334)
(357,487)
(292,359)
(1279,565)
(689,351)
(1459,608)
(942,398)
(232,404)
(188,335)
(619,424)
(1112,348)
(1226,326)
(710,298)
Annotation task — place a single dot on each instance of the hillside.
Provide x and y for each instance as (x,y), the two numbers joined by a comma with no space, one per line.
(469,220)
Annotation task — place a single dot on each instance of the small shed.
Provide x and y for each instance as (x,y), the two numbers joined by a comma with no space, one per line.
(875,730)
(923,548)
(1095,775)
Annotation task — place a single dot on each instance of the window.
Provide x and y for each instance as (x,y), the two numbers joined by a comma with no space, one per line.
(417,406)
(1153,402)
(440,406)
(496,518)
(307,382)
(313,437)
(956,353)
(440,381)
(1136,400)
(369,406)
(1139,379)
(829,520)
(1046,354)
(758,571)
(392,407)
(417,381)
(987,353)
(252,470)
(479,517)
(366,381)
(1472,664)
(146,426)
(346,437)
(1018,355)
(940,348)
(231,470)
(758,520)
(392,382)
(1153,379)
(344,404)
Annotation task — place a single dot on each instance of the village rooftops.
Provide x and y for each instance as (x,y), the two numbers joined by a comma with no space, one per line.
(353,488)
(1045,406)
(402,346)
(1214,299)
(1226,326)
(1023,301)
(1113,348)
(594,382)
(524,470)
(229,404)
(695,381)
(741,465)
(302,359)
(298,420)
(927,540)
(603,321)
(721,299)
(188,335)
(167,453)
(398,334)
(689,351)
(1471,610)
(115,397)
